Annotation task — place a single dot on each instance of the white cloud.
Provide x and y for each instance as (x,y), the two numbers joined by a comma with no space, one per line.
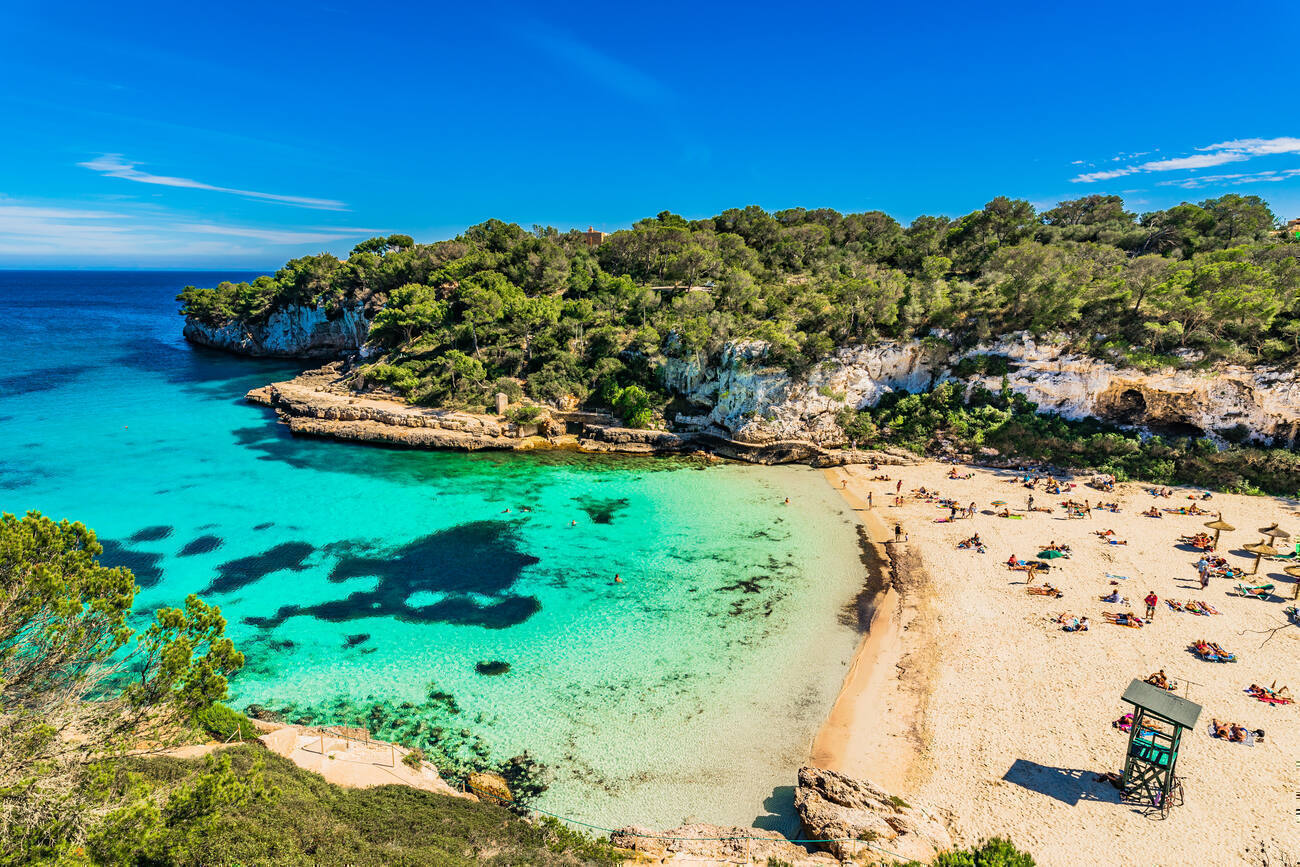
(36,232)
(1232,180)
(113,166)
(1235,151)
(1196,161)
(1091,177)
(1258,146)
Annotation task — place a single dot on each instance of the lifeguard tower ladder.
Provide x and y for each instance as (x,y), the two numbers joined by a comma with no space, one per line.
(1159,719)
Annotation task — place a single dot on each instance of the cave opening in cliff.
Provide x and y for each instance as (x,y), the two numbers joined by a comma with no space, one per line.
(1129,407)
(1171,430)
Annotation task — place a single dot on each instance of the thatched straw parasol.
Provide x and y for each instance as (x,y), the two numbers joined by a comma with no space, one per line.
(1273,533)
(1294,572)
(1218,525)
(1260,550)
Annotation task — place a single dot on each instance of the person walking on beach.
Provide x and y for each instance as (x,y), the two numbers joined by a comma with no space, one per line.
(1151,601)
(1031,503)
(1087,509)
(1203,569)
(898,532)
(868,499)
(970,511)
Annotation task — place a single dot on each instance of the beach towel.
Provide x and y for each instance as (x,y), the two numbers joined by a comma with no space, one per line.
(1247,739)
(1117,577)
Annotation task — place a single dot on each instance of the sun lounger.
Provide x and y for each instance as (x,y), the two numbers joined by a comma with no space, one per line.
(1262,591)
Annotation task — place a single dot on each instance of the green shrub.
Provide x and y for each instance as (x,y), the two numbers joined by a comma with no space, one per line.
(218,722)
(395,376)
(297,818)
(997,852)
(414,759)
(522,415)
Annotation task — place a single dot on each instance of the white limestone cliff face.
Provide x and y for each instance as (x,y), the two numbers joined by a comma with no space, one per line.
(291,332)
(743,398)
(756,403)
(1266,401)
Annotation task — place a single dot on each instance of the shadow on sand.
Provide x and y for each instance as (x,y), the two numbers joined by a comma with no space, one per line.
(780,815)
(1067,785)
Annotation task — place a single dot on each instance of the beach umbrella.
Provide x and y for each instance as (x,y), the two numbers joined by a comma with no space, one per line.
(1218,525)
(1260,550)
(1294,572)
(1274,533)
(999,502)
(1050,554)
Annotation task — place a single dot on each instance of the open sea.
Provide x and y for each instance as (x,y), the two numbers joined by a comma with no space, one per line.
(391,585)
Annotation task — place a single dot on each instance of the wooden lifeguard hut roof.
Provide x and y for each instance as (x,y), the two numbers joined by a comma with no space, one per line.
(1162,703)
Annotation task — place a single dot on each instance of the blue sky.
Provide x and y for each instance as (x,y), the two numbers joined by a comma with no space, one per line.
(241,134)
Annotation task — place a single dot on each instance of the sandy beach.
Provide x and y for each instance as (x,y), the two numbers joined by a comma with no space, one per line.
(967,696)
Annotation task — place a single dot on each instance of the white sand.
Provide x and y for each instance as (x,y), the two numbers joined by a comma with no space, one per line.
(997,717)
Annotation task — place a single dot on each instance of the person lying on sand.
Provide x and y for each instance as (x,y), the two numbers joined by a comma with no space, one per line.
(1233,732)
(1159,679)
(1070,623)
(1270,695)
(1123,619)
(1152,512)
(1005,513)
(1103,533)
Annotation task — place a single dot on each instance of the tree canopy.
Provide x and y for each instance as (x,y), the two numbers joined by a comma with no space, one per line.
(572,322)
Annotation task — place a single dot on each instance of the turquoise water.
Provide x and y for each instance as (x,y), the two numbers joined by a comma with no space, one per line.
(690,690)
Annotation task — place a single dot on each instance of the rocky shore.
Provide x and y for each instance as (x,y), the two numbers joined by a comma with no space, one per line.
(319,403)
(852,820)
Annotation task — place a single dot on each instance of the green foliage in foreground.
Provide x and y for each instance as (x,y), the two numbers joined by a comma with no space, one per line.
(949,418)
(79,686)
(223,723)
(248,806)
(996,852)
(455,319)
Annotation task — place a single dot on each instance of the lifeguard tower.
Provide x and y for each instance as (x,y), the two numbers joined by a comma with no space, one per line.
(1159,718)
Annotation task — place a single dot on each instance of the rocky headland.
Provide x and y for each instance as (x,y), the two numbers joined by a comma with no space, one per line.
(296,331)
(737,406)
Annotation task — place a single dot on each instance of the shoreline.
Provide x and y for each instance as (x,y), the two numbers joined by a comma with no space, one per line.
(315,404)
(873,730)
(1011,725)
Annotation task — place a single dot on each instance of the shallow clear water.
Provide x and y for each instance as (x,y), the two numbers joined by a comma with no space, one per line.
(690,690)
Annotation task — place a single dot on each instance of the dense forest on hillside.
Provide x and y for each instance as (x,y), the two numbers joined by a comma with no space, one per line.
(502,308)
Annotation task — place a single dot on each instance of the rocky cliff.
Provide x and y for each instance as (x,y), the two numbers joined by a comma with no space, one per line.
(746,400)
(290,332)
(853,821)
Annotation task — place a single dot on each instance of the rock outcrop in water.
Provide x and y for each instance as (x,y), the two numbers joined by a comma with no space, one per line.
(319,403)
(863,823)
(832,806)
(737,405)
(290,332)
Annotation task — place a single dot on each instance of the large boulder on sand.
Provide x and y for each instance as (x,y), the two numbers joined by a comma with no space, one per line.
(832,806)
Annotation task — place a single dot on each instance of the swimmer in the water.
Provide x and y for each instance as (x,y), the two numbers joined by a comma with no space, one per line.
(617,580)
